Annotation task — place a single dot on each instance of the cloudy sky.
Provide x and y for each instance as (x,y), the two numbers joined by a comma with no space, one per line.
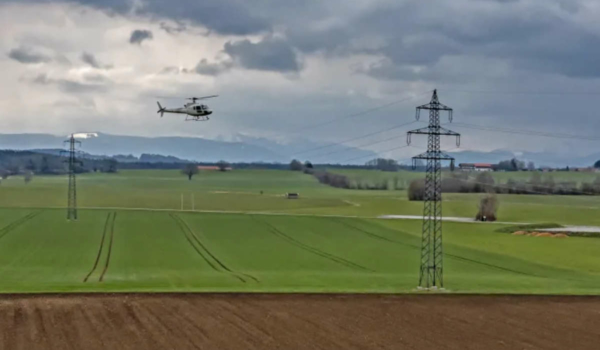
(282,68)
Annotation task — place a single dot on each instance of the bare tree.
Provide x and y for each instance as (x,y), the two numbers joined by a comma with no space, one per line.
(295,165)
(531,166)
(223,165)
(190,170)
(488,206)
(416,190)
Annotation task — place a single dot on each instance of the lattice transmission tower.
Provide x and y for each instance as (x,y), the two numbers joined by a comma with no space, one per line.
(72,191)
(431,274)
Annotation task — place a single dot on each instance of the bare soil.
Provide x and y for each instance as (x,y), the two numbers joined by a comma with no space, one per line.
(292,321)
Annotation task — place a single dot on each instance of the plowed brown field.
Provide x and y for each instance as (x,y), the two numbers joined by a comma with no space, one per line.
(291,321)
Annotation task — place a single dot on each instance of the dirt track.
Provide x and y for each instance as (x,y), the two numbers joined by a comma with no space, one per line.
(186,321)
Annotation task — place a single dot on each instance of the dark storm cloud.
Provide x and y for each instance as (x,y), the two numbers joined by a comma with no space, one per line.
(221,16)
(544,36)
(139,35)
(28,56)
(534,36)
(269,54)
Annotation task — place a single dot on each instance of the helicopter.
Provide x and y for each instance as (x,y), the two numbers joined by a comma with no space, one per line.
(193,111)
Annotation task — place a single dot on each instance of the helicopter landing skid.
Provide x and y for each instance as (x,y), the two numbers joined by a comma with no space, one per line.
(196,119)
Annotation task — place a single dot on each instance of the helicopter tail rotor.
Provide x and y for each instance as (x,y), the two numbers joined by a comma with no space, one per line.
(161,110)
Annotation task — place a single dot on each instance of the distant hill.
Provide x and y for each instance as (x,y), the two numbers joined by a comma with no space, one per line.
(251,149)
(246,149)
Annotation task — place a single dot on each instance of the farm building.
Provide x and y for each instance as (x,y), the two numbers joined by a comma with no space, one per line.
(212,168)
(475,167)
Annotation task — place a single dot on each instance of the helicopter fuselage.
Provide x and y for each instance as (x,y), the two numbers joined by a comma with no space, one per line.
(194,110)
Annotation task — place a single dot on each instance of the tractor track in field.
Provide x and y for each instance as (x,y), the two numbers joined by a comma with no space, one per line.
(13,225)
(491,265)
(458,257)
(191,237)
(110,244)
(106,223)
(311,249)
(370,234)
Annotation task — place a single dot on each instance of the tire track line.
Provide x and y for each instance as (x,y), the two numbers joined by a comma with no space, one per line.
(100,249)
(458,257)
(13,225)
(110,244)
(185,233)
(211,254)
(373,235)
(193,235)
(311,249)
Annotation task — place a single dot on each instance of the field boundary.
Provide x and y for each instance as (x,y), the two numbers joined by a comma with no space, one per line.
(110,244)
(261,294)
(100,249)
(270,213)
(191,236)
(311,249)
(13,225)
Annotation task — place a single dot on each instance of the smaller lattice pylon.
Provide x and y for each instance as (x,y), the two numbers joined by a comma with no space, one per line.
(72,162)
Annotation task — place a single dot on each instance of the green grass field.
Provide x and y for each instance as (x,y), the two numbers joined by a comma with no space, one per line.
(133,236)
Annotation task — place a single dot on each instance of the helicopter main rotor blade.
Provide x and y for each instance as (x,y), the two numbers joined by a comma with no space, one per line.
(202,98)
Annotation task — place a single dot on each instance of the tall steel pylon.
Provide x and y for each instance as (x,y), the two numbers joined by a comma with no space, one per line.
(72,191)
(431,274)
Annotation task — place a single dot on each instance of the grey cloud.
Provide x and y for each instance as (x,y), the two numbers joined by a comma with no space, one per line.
(222,16)
(270,54)
(205,68)
(174,70)
(96,78)
(169,70)
(69,86)
(535,35)
(92,61)
(62,59)
(139,35)
(171,29)
(28,56)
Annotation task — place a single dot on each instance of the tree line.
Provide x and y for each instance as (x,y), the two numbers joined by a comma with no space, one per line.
(28,162)
(484,183)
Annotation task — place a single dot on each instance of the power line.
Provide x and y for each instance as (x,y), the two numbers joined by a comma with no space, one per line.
(370,155)
(525,132)
(541,93)
(358,114)
(355,138)
(365,145)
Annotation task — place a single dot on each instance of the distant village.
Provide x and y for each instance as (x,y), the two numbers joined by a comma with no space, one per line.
(512,167)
